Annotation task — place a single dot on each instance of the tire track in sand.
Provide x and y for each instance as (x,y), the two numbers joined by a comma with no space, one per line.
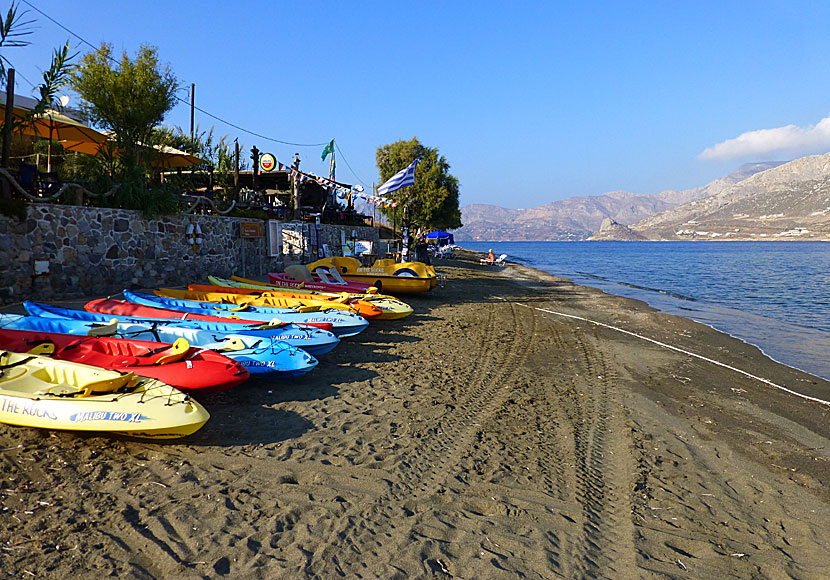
(604,547)
(501,352)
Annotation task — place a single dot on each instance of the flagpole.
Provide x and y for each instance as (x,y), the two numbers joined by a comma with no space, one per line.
(331,166)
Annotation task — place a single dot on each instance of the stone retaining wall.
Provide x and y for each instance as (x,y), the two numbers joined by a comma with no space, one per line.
(64,251)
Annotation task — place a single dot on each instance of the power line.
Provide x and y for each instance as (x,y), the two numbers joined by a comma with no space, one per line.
(82,39)
(17,72)
(339,150)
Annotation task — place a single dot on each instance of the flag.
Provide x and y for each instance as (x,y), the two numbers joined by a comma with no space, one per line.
(401,179)
(329,149)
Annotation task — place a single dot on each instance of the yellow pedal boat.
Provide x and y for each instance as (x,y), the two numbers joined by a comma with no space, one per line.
(392,308)
(387,275)
(37,391)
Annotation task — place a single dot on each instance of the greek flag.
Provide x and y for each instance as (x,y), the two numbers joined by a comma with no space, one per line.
(401,179)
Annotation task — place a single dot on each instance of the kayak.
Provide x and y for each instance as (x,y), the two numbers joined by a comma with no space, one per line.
(386,275)
(284,280)
(312,340)
(259,356)
(179,365)
(129,308)
(343,323)
(391,307)
(284,298)
(242,297)
(37,391)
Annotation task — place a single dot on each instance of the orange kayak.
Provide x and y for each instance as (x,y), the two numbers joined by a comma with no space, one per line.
(288,299)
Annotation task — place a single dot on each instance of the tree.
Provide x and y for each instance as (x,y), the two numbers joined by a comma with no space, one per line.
(12,31)
(433,201)
(128,98)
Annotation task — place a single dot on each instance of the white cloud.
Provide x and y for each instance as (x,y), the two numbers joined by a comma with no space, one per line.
(791,139)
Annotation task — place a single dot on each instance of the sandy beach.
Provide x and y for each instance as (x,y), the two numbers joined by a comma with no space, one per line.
(489,435)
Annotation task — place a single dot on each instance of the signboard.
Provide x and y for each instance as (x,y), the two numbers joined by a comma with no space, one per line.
(363,247)
(267,162)
(250,230)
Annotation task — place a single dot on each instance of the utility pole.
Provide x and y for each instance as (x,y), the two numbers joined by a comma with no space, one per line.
(236,169)
(192,106)
(296,182)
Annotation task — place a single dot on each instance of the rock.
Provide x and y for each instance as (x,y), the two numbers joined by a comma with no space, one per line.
(610,230)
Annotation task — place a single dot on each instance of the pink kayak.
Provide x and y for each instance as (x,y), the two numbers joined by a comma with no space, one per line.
(285,281)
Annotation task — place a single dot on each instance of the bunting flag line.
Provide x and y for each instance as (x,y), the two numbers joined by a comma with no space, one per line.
(342,192)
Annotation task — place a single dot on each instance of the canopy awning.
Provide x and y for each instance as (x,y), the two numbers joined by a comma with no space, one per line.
(441,236)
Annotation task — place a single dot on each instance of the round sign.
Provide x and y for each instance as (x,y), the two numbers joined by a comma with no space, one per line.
(267,162)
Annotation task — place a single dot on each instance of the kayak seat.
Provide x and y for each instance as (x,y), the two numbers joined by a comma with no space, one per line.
(69,384)
(299,272)
(44,348)
(106,385)
(104,330)
(177,351)
(231,345)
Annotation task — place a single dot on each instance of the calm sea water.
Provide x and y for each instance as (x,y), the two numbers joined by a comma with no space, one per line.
(775,295)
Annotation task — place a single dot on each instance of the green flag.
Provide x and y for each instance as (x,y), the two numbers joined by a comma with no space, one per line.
(329,149)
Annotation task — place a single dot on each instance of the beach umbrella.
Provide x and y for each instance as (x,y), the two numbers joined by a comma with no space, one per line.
(168,157)
(55,126)
(162,156)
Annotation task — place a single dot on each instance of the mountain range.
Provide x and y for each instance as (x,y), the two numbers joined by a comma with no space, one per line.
(758,200)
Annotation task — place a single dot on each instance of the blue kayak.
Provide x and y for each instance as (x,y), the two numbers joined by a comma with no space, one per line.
(343,323)
(313,340)
(259,356)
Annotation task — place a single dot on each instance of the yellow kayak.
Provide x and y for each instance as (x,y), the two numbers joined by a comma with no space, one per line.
(391,307)
(247,296)
(37,391)
(387,275)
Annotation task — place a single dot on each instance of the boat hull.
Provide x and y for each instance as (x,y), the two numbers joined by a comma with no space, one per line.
(259,356)
(142,407)
(198,370)
(391,308)
(389,277)
(313,340)
(344,324)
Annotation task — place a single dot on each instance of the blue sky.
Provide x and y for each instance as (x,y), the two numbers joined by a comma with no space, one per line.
(530,102)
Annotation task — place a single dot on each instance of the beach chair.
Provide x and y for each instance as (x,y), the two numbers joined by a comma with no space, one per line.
(497,262)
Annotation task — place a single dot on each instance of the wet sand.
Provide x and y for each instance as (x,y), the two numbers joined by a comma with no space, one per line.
(485,436)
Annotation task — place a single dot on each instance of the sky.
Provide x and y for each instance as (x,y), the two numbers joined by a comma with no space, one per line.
(529,102)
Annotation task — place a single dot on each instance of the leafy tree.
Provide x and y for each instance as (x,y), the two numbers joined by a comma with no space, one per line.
(433,201)
(128,98)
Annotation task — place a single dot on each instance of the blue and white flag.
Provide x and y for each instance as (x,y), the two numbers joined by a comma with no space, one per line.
(401,179)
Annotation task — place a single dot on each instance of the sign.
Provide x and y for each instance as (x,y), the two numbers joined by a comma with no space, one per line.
(363,247)
(250,229)
(267,162)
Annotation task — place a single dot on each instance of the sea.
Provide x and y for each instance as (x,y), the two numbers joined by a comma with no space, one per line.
(774,295)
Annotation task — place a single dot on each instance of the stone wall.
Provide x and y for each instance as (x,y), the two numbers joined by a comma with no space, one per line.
(64,251)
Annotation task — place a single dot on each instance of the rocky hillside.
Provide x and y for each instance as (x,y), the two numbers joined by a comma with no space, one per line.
(578,218)
(613,231)
(791,200)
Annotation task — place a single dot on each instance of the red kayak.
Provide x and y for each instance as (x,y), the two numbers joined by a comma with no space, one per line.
(283,280)
(125,308)
(179,365)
